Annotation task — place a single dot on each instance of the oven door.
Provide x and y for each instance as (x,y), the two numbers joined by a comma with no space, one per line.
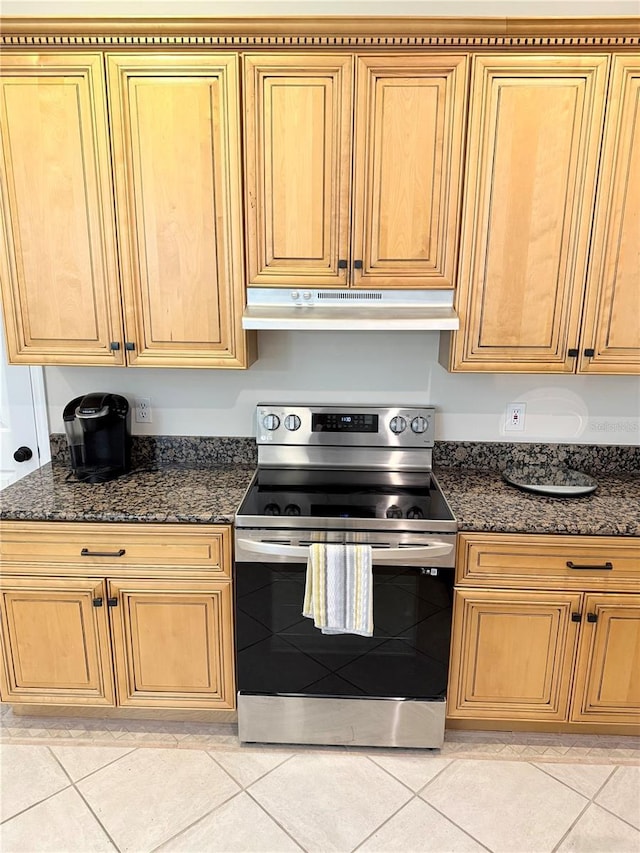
(287,670)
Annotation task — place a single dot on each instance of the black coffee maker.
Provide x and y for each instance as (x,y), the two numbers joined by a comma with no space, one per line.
(98,428)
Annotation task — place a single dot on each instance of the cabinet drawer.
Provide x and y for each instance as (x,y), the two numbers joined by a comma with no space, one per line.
(100,548)
(550,562)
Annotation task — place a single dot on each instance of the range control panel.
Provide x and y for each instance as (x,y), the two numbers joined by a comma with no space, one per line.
(345,426)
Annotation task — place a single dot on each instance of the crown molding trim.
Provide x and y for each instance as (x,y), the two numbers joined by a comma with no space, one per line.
(326,32)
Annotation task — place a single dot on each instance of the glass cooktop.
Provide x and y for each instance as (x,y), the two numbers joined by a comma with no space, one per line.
(345,494)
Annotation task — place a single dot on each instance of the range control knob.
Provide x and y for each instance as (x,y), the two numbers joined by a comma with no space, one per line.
(271,422)
(415,512)
(419,424)
(292,509)
(394,511)
(272,509)
(397,425)
(292,422)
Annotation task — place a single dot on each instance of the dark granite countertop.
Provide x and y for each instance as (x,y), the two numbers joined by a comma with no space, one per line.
(480,500)
(202,494)
(483,501)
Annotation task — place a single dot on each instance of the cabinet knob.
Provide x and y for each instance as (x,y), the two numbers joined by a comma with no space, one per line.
(357,265)
(112,602)
(573,352)
(592,617)
(97,602)
(589,352)
(23,454)
(576,617)
(342,264)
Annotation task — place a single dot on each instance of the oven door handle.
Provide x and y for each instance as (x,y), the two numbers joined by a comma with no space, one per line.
(434,548)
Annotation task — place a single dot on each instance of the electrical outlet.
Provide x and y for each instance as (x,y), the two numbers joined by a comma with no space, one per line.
(515,417)
(143,410)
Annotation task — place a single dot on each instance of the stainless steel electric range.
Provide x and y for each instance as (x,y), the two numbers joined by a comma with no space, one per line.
(348,474)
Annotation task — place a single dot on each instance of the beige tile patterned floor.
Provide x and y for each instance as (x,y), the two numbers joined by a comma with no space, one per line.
(85,785)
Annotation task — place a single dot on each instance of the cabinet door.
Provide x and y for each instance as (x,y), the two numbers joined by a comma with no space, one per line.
(55,642)
(298,116)
(612,324)
(607,686)
(58,265)
(410,118)
(512,654)
(173,643)
(532,154)
(175,126)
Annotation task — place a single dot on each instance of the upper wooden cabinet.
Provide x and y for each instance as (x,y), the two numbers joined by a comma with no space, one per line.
(610,341)
(174,125)
(58,261)
(535,127)
(353,190)
(176,143)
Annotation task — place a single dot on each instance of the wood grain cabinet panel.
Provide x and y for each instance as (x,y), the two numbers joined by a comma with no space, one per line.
(55,642)
(175,129)
(111,548)
(534,142)
(607,687)
(409,123)
(523,560)
(125,615)
(535,639)
(58,264)
(512,655)
(298,113)
(354,193)
(611,329)
(173,643)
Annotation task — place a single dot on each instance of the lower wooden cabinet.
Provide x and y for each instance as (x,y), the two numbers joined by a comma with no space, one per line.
(55,642)
(171,643)
(514,654)
(526,653)
(607,684)
(123,628)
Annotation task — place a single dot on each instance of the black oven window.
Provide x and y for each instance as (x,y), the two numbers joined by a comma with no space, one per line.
(280,651)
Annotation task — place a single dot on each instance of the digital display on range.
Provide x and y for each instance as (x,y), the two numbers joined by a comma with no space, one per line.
(343,422)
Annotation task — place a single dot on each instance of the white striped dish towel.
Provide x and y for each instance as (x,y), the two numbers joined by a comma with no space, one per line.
(338,594)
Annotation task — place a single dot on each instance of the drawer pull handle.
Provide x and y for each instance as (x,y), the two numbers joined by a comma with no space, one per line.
(87,553)
(576,617)
(592,617)
(572,565)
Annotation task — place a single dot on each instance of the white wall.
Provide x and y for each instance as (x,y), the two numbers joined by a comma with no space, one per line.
(321,7)
(364,367)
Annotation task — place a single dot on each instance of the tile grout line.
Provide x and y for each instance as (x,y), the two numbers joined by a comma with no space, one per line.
(417,796)
(83,798)
(590,801)
(33,805)
(242,790)
(271,817)
(445,816)
(570,787)
(260,806)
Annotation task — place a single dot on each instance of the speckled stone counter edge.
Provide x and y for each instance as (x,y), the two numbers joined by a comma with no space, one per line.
(593,459)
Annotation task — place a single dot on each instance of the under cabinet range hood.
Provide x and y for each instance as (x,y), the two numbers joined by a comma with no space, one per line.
(355,310)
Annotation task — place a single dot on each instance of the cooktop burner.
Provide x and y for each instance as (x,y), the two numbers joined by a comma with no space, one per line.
(357,468)
(347,494)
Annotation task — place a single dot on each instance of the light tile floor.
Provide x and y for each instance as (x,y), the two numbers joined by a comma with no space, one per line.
(171,787)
